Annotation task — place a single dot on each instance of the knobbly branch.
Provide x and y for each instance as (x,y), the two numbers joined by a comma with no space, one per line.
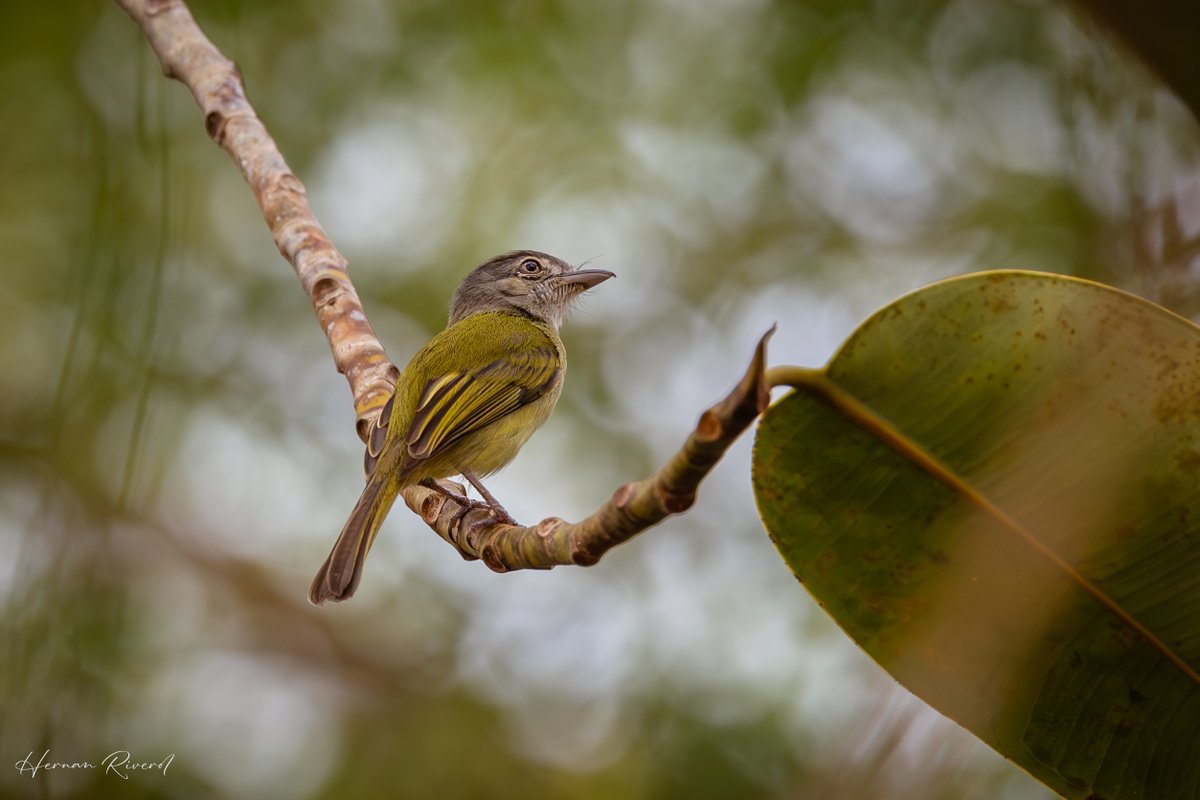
(188,56)
(632,509)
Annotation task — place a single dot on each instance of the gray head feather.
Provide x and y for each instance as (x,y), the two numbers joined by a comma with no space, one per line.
(527,282)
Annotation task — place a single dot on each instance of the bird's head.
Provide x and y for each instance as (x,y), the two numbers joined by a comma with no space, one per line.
(526,281)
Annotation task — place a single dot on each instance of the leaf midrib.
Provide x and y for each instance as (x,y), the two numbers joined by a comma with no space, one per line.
(817,382)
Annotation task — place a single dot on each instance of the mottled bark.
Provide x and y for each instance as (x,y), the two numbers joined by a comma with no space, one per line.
(188,56)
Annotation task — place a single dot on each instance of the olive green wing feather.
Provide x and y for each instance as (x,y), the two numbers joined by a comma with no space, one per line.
(457,403)
(377,436)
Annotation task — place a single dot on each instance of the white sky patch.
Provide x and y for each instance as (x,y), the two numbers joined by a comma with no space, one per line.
(864,169)
(1014,119)
(391,183)
(250,495)
(251,728)
(812,324)
(721,179)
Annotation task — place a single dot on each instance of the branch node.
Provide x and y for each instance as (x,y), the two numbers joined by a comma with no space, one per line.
(290,183)
(710,427)
(623,495)
(214,124)
(584,558)
(323,292)
(431,508)
(492,559)
(678,503)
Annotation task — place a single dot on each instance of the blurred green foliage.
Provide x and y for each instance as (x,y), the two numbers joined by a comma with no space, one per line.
(177,453)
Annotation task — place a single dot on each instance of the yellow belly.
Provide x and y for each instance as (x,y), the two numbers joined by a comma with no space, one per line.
(489,449)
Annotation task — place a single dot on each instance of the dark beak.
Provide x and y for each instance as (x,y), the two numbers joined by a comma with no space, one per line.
(587,278)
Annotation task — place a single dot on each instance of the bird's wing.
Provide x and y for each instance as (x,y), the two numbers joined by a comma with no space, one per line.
(456,403)
(376,436)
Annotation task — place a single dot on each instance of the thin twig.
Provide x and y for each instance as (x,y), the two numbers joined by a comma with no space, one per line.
(632,509)
(188,56)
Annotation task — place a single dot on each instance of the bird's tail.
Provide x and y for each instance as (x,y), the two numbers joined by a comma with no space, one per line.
(338,577)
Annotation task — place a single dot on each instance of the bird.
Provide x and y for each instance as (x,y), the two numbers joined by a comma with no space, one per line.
(467,401)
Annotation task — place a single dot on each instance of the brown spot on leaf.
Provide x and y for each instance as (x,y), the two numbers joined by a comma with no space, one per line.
(1188,460)
(1002,305)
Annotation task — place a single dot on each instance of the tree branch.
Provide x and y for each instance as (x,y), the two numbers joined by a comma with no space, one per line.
(633,508)
(188,56)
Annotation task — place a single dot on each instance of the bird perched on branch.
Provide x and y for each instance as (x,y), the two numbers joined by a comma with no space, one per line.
(468,400)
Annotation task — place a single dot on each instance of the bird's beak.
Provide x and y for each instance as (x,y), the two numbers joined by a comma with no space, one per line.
(587,278)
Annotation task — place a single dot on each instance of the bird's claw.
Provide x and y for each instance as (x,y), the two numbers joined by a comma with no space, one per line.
(467,505)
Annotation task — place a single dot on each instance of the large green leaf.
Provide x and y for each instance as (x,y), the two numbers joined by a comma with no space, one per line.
(993,489)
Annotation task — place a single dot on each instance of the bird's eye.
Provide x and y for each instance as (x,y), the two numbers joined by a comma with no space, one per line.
(531,267)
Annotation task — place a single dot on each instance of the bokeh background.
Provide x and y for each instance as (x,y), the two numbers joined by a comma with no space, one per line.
(177,453)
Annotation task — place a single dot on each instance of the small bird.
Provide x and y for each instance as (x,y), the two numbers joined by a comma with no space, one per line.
(468,400)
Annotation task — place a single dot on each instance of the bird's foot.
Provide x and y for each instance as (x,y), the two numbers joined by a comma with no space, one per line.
(467,505)
(497,513)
